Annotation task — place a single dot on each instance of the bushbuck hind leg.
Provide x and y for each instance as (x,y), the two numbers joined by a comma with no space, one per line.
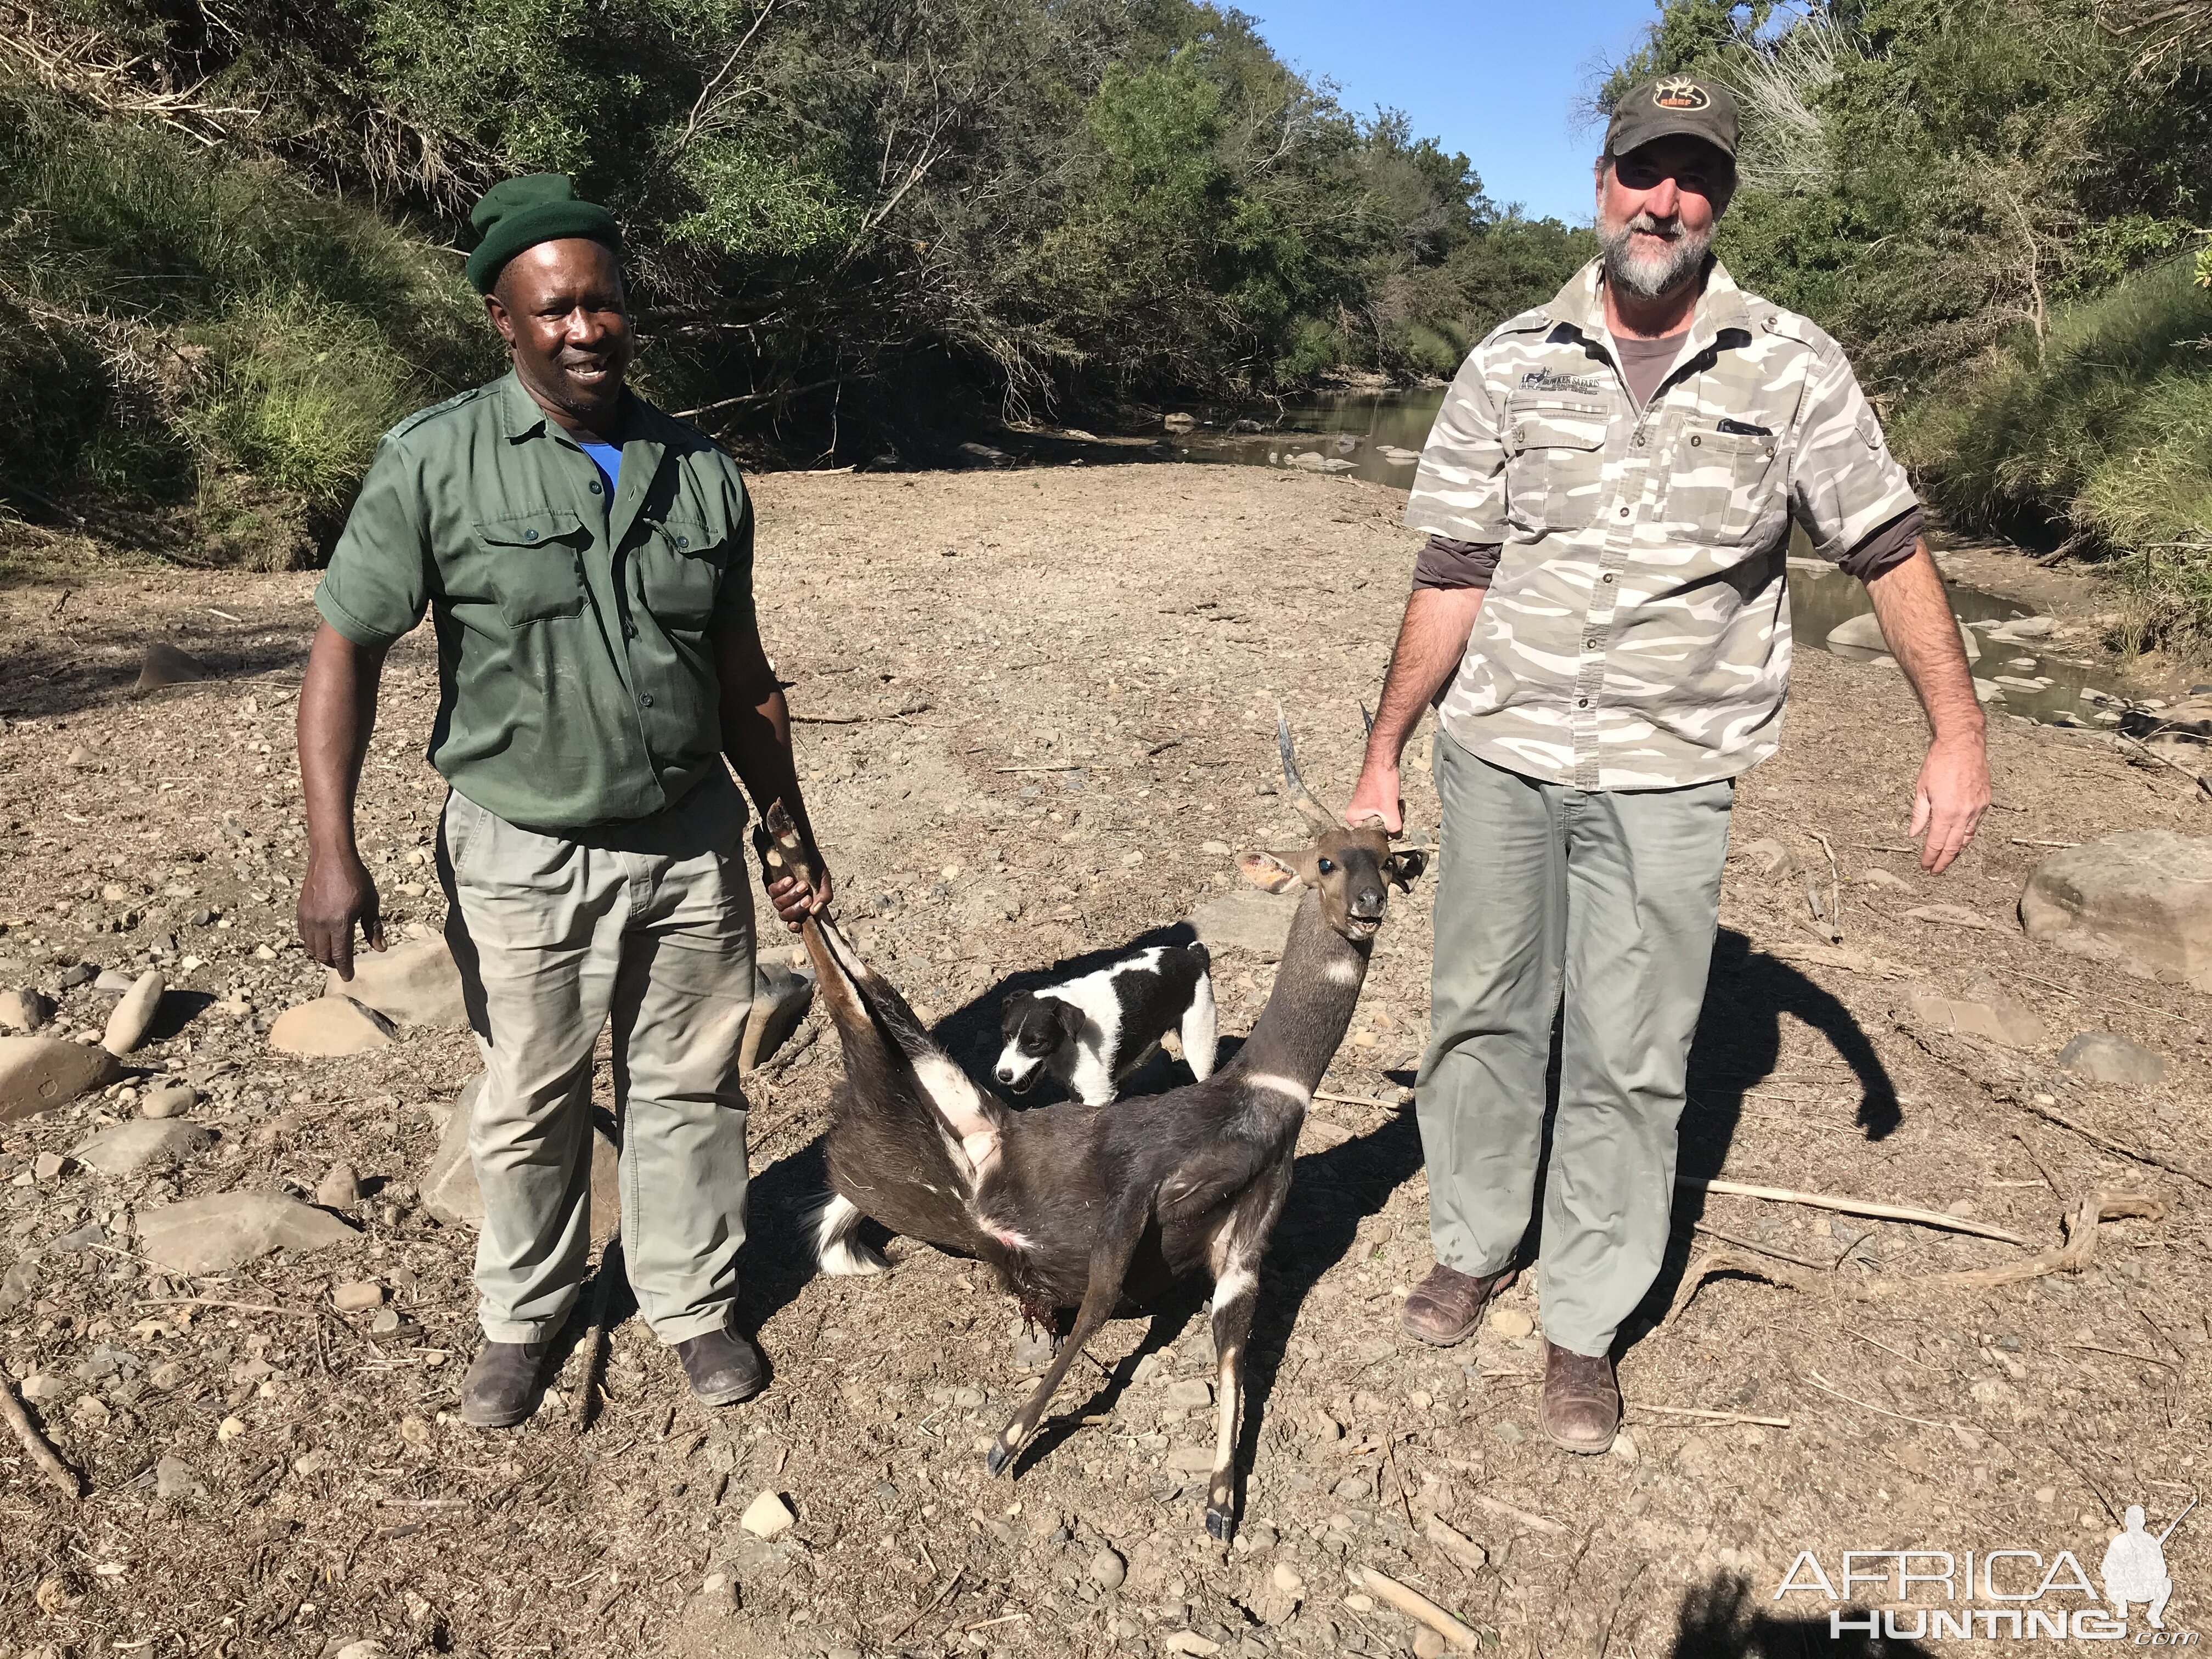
(1109,1267)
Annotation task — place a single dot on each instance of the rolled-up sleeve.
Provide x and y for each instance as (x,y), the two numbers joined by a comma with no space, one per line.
(1459,491)
(1446,564)
(1845,484)
(378,585)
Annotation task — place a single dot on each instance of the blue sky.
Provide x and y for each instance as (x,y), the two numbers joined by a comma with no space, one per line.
(1497,79)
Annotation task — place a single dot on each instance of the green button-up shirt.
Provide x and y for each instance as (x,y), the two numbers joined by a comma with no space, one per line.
(575,634)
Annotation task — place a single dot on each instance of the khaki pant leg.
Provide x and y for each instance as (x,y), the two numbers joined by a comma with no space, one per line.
(1643,882)
(681,1000)
(536,925)
(1494,992)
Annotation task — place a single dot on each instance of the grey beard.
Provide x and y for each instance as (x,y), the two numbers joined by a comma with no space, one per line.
(1652,279)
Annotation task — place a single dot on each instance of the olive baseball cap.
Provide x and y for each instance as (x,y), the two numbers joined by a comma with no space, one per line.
(1686,105)
(520,213)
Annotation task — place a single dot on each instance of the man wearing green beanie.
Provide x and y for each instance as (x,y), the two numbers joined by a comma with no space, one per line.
(586,563)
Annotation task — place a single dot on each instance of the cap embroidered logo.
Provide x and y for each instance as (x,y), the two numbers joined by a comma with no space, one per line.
(1680,95)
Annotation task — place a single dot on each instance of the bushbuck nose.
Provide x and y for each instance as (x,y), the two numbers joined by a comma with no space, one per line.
(1368,904)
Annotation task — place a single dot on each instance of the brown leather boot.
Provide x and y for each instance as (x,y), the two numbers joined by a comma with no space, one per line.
(1580,1411)
(1444,1308)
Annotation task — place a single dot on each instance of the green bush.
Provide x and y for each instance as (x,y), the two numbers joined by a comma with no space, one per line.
(2106,430)
(302,389)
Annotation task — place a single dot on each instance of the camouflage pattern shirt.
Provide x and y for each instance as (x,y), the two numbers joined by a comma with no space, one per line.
(1636,635)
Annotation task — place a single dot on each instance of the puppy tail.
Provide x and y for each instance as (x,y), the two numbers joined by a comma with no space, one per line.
(1200,1026)
(833,1221)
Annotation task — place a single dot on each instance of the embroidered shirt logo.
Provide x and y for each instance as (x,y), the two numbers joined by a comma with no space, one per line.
(1550,379)
(1680,95)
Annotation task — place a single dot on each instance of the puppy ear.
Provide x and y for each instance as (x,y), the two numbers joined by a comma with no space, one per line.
(1071,1020)
(1017,1004)
(1405,867)
(1266,870)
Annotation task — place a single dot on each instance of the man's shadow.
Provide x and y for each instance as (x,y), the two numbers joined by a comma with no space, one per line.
(1738,1044)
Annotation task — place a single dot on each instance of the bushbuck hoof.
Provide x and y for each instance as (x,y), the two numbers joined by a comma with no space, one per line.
(1220,1522)
(1000,1457)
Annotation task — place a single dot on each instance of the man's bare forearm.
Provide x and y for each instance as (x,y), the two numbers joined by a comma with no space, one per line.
(1431,640)
(1917,624)
(338,712)
(757,736)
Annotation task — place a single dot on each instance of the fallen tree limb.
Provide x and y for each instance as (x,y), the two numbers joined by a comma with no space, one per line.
(1955,1224)
(2072,1256)
(612,1266)
(58,1474)
(1418,1606)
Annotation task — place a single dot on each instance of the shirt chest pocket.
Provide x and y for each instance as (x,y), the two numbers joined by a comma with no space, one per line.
(679,573)
(1554,463)
(1725,481)
(533,567)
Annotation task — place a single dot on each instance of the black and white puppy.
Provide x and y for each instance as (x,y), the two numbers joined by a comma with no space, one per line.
(1090,1032)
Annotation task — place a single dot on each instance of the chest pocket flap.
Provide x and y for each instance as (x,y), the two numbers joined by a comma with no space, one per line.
(680,568)
(534,571)
(1555,460)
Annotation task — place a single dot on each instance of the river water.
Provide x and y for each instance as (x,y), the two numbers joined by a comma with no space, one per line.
(1378,436)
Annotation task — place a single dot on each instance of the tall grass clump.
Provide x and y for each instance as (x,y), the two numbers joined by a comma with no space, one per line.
(174,322)
(2102,435)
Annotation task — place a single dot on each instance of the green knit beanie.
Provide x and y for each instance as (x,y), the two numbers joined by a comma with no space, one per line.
(520,213)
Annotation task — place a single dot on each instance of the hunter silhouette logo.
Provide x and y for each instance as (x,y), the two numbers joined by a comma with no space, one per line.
(1680,95)
(2135,1567)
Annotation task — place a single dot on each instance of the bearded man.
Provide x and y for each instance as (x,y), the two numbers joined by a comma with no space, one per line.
(1601,617)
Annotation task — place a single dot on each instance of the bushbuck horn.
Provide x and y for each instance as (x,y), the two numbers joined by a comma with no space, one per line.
(1301,797)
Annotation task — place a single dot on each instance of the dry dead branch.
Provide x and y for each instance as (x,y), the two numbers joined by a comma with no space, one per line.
(1879,1212)
(1456,1544)
(58,1474)
(1418,1606)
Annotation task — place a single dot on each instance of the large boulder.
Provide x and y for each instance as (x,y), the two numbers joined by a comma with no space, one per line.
(2103,1058)
(328,1027)
(212,1235)
(40,1073)
(142,1144)
(2140,900)
(412,984)
(1247,920)
(449,1182)
(1859,638)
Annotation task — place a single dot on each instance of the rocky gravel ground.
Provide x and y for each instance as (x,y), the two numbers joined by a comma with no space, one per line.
(1039,709)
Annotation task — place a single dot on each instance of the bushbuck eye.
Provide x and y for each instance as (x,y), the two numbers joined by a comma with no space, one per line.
(1326,866)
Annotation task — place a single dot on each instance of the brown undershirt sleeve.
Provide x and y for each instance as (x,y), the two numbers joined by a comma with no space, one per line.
(1447,563)
(1886,545)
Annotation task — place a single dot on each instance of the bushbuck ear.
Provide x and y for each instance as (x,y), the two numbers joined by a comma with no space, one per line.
(1405,867)
(1266,870)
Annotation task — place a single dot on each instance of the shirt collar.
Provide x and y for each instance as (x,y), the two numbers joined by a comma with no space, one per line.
(1581,305)
(521,416)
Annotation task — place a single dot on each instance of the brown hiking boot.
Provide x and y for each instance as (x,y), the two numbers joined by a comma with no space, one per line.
(1580,1411)
(1445,1307)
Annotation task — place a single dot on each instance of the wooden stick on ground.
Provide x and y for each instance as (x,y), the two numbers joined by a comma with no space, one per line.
(1456,1544)
(1955,1224)
(1361,1100)
(1418,1606)
(1529,1518)
(1712,1416)
(58,1474)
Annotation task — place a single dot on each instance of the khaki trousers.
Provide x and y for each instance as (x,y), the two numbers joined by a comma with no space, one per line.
(650,924)
(1596,909)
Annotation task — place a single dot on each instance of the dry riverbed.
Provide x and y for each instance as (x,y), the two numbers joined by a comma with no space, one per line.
(1040,710)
